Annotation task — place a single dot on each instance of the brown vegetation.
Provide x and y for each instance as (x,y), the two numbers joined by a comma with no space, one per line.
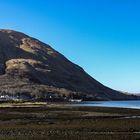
(28,66)
(57,121)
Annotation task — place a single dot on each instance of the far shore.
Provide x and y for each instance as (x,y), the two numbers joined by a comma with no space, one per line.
(66,104)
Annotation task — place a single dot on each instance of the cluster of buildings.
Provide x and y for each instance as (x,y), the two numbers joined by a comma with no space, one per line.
(6,98)
(18,98)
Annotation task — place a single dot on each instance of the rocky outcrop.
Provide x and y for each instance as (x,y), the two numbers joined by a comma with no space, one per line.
(28,61)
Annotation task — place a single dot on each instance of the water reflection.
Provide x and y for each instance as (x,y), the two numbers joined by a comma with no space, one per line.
(122,104)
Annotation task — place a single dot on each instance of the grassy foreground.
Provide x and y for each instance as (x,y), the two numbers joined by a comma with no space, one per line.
(41,121)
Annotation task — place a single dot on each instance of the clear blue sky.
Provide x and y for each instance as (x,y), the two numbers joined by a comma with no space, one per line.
(102,36)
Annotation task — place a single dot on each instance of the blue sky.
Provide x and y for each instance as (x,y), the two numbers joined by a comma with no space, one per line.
(102,36)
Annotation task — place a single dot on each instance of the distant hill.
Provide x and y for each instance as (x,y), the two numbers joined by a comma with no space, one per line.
(31,67)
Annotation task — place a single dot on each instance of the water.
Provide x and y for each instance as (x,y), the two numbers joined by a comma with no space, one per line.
(121,104)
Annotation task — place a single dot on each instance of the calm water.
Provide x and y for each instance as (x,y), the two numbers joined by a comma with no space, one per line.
(122,104)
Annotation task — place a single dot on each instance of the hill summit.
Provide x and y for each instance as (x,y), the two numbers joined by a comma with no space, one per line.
(32,68)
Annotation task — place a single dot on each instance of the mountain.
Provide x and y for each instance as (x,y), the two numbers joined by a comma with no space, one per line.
(32,68)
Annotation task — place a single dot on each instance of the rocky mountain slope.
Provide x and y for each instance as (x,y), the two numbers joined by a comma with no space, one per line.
(31,67)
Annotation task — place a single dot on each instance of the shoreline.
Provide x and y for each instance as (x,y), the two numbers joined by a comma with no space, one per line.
(59,104)
(59,121)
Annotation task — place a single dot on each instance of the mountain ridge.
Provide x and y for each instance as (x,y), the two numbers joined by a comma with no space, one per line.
(35,63)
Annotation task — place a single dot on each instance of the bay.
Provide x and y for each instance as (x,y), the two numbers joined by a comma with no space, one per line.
(119,104)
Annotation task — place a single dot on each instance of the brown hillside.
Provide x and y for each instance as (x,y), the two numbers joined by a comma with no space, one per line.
(29,66)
